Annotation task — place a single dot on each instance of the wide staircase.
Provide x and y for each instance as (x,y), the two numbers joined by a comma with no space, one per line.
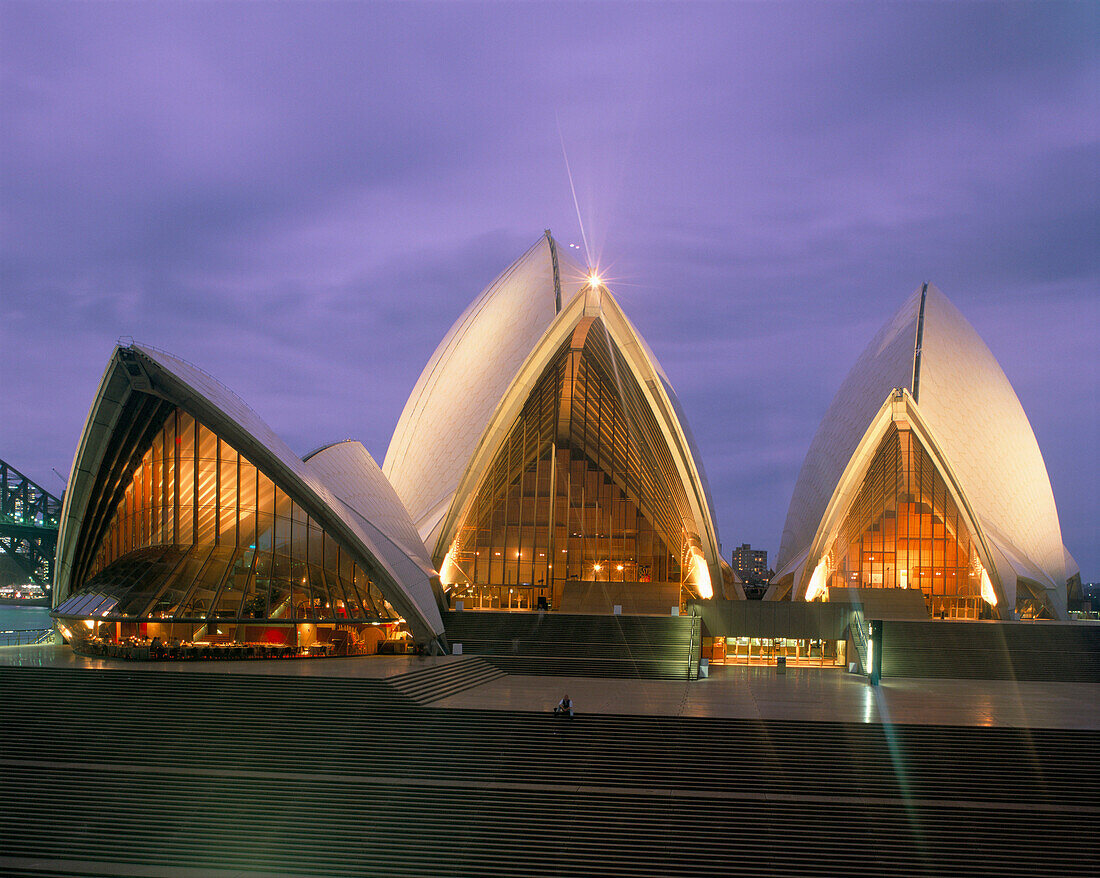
(180,772)
(565,644)
(1050,651)
(427,685)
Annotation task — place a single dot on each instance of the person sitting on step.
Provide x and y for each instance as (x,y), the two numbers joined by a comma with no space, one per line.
(564,707)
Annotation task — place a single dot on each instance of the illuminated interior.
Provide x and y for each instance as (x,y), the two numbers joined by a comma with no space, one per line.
(202,546)
(583,488)
(796,652)
(904,530)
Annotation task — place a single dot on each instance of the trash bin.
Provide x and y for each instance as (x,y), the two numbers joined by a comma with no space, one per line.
(781,665)
(704,668)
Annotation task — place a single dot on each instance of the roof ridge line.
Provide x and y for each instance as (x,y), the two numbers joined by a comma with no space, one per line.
(919,343)
(557,274)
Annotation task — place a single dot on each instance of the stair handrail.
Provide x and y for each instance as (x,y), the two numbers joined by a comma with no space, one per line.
(859,635)
(25,636)
(691,645)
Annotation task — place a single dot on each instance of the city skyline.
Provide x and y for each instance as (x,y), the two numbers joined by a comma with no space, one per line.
(301,199)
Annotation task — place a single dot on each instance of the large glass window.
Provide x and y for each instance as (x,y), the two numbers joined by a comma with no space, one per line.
(583,488)
(202,534)
(904,531)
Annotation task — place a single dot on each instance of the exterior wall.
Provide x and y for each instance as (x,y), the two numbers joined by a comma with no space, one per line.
(1037,651)
(798,620)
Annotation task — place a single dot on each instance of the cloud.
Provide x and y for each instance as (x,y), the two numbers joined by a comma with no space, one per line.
(301,198)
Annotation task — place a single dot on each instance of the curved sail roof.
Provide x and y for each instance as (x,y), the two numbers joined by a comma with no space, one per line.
(982,429)
(350,472)
(138,370)
(470,371)
(886,363)
(974,418)
(653,384)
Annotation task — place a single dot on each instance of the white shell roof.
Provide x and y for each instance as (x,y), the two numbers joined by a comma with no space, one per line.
(982,430)
(654,385)
(352,474)
(1072,566)
(975,418)
(467,376)
(409,588)
(886,363)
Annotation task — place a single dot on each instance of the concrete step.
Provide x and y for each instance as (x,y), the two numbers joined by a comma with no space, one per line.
(343,827)
(188,773)
(426,685)
(364,726)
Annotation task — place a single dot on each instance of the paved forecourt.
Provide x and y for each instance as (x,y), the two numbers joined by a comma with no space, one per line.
(735,692)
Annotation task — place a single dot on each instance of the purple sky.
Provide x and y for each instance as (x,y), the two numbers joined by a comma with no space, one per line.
(300,199)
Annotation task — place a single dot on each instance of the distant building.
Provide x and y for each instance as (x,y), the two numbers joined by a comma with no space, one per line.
(751,564)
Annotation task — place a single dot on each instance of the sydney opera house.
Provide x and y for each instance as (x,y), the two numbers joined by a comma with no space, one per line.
(925,474)
(542,462)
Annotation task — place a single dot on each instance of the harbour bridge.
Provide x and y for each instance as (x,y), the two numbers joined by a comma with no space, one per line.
(29,518)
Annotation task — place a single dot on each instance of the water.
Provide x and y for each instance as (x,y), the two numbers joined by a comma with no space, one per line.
(23,618)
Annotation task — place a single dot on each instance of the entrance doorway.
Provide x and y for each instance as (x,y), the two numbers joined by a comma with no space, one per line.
(764,651)
(501,597)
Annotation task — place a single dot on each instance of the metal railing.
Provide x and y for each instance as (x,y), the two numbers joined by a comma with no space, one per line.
(859,637)
(694,650)
(25,636)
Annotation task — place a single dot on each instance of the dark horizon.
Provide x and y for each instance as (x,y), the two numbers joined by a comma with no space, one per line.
(300,199)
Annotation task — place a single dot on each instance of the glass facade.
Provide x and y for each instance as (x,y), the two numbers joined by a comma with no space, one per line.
(798,652)
(904,531)
(201,536)
(582,488)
